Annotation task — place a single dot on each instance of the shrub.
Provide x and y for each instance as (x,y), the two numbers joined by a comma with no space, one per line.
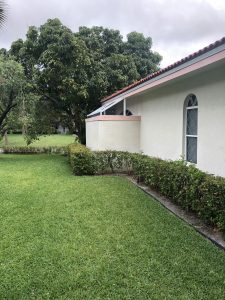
(184,184)
(81,159)
(173,179)
(211,204)
(112,161)
(86,162)
(34,150)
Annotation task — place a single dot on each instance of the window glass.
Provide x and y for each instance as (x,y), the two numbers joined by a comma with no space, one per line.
(192,149)
(192,101)
(192,121)
(191,128)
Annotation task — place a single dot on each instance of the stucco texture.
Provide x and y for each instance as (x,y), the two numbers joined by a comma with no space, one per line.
(162,131)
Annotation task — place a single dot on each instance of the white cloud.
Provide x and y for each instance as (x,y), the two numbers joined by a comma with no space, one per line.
(177,27)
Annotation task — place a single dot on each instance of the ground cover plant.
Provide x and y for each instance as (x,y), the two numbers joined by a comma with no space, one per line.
(95,237)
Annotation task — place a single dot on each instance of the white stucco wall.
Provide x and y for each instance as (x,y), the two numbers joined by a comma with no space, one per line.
(113,135)
(211,150)
(92,135)
(162,128)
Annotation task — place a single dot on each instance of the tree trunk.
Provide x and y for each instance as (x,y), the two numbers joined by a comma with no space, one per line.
(82,135)
(24,130)
(80,129)
(6,141)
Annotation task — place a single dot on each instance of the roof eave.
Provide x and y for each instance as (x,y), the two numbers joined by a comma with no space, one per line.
(204,57)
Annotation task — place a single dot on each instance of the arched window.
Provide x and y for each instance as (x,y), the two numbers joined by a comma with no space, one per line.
(191,128)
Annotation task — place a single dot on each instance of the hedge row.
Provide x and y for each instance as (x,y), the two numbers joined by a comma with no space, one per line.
(184,184)
(87,162)
(34,150)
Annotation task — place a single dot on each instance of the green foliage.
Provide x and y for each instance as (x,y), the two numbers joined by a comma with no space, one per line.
(121,71)
(22,116)
(139,48)
(56,62)
(12,82)
(81,160)
(112,162)
(17,98)
(86,162)
(172,179)
(73,71)
(211,205)
(184,184)
(34,150)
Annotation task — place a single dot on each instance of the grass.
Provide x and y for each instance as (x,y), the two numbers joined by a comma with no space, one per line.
(66,237)
(44,141)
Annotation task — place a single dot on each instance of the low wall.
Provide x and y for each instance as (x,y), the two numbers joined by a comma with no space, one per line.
(109,132)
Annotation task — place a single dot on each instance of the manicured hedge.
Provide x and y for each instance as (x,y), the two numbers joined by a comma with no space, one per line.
(112,162)
(81,159)
(34,150)
(184,184)
(87,162)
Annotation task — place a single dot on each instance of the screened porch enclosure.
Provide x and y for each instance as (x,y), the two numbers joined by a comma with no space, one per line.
(115,107)
(113,127)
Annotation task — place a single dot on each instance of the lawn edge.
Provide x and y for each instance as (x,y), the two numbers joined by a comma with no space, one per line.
(208,232)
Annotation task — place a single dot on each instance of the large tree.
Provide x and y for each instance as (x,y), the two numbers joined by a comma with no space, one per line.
(57,63)
(73,71)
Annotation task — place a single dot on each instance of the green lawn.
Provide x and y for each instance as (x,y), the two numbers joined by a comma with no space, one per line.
(44,141)
(66,237)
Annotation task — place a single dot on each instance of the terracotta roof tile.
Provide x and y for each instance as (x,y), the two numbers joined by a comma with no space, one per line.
(168,68)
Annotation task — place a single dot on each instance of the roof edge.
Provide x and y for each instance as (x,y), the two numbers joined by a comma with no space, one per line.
(179,63)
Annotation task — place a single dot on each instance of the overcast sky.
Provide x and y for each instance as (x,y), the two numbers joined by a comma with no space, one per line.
(177,27)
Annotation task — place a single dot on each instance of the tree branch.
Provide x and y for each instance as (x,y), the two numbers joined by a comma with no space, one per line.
(8,108)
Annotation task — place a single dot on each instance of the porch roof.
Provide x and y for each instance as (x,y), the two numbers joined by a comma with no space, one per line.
(105,106)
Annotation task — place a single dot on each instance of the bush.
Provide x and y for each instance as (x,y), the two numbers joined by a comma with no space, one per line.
(86,162)
(81,159)
(184,184)
(173,179)
(112,161)
(211,204)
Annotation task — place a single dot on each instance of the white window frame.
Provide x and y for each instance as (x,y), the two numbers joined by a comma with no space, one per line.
(186,136)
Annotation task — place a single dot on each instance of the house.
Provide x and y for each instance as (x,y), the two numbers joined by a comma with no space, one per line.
(176,112)
(62,129)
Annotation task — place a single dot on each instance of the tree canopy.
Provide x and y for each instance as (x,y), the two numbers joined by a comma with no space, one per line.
(73,71)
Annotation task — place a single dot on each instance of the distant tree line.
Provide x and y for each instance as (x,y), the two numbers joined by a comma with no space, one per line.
(67,74)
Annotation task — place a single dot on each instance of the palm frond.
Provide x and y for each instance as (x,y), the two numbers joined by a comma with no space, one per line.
(2,12)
